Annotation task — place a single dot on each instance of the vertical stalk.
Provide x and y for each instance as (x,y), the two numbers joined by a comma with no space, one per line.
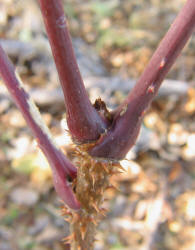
(128,117)
(92,182)
(61,167)
(83,120)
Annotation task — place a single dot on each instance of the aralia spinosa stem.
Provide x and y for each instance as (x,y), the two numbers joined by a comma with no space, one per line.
(84,122)
(128,116)
(61,166)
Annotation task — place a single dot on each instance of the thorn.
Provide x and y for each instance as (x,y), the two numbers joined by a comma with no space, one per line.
(65,213)
(83,232)
(69,238)
(95,207)
(63,210)
(143,113)
(91,166)
(103,211)
(124,109)
(162,63)
(150,89)
(105,167)
(93,180)
(115,186)
(122,168)
(93,221)
(68,219)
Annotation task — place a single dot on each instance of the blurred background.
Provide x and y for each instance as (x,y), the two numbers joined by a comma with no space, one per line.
(113,41)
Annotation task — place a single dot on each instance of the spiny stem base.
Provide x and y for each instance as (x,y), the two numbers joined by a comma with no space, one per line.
(90,185)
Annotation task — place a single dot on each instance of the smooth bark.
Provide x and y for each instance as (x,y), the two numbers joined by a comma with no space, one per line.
(128,117)
(61,166)
(84,122)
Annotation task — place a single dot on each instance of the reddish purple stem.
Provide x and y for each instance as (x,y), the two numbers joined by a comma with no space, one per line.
(83,120)
(128,117)
(61,166)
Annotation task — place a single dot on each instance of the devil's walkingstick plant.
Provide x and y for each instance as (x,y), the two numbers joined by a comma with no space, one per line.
(102,138)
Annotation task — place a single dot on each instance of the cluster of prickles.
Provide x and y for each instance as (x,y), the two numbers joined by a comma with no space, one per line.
(93,179)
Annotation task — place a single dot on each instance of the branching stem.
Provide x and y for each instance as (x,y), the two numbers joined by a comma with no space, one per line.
(128,117)
(61,166)
(83,120)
